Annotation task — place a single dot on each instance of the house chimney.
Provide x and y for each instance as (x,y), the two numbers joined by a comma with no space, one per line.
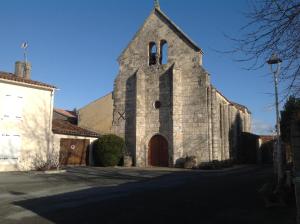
(23,69)
(19,69)
(27,70)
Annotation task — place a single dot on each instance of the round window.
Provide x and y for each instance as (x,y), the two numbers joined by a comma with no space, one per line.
(157,104)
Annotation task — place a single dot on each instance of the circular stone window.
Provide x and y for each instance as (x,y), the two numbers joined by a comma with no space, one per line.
(157,104)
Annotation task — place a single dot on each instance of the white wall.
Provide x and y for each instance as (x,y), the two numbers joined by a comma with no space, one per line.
(25,124)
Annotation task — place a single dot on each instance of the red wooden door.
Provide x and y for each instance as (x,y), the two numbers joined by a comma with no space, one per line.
(158,152)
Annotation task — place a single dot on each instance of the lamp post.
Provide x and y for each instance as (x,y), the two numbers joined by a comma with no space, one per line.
(275,63)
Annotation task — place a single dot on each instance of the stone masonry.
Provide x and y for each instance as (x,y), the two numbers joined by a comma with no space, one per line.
(174,99)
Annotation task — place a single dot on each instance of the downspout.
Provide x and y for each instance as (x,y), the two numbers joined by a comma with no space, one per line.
(51,139)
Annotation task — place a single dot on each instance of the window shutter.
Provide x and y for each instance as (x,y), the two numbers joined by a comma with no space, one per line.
(10,146)
(12,107)
(18,108)
(8,106)
(15,146)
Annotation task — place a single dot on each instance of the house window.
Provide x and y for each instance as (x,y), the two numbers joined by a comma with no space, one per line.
(10,146)
(163,52)
(152,53)
(12,106)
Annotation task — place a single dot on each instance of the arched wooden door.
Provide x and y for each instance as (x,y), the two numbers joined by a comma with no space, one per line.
(158,152)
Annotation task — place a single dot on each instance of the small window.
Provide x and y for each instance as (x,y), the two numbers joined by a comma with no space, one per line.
(163,52)
(152,53)
(157,104)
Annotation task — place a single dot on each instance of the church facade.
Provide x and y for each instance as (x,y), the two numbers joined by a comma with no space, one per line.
(165,106)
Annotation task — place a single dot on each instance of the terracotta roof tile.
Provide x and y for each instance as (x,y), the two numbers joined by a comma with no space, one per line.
(66,128)
(67,113)
(267,138)
(13,77)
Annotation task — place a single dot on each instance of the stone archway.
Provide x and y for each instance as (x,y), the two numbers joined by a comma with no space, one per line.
(158,154)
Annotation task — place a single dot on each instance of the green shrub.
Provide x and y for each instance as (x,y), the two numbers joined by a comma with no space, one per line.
(108,150)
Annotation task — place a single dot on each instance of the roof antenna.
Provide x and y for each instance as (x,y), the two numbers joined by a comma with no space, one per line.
(156,4)
(24,46)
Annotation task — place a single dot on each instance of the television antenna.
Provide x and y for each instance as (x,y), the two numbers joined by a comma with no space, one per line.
(24,46)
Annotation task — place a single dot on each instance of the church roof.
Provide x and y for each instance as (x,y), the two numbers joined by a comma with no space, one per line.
(176,28)
(236,105)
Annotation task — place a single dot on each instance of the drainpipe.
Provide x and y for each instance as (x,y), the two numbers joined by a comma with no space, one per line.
(51,140)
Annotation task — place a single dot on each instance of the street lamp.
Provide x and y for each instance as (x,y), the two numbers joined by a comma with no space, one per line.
(275,63)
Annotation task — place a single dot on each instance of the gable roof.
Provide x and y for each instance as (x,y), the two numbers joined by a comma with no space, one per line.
(66,128)
(178,30)
(173,26)
(15,78)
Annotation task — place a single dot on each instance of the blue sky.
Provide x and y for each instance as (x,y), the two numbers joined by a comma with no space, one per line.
(75,44)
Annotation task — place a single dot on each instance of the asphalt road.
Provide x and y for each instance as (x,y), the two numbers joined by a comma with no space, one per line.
(148,196)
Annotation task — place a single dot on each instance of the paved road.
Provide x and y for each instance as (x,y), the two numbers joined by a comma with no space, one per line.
(114,195)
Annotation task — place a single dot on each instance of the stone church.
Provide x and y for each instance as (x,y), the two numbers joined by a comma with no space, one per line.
(164,104)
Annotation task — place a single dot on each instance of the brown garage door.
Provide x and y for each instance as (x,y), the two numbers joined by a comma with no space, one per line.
(73,151)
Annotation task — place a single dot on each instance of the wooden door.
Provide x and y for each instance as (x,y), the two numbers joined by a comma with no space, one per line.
(158,152)
(73,151)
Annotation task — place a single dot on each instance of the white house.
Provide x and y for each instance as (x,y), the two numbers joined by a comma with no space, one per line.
(26,108)
(28,133)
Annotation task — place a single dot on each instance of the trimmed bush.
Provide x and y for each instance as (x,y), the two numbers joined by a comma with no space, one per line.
(108,150)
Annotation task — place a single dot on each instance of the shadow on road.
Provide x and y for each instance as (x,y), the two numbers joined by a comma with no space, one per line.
(181,197)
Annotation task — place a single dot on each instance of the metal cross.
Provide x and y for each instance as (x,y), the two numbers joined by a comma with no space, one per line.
(156,4)
(121,115)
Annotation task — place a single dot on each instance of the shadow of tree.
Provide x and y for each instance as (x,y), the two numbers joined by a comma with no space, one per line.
(50,207)
(176,197)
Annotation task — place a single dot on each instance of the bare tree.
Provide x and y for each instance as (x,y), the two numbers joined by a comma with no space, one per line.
(273,26)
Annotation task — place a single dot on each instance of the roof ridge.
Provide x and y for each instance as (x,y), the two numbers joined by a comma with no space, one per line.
(236,105)
(15,78)
(179,29)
